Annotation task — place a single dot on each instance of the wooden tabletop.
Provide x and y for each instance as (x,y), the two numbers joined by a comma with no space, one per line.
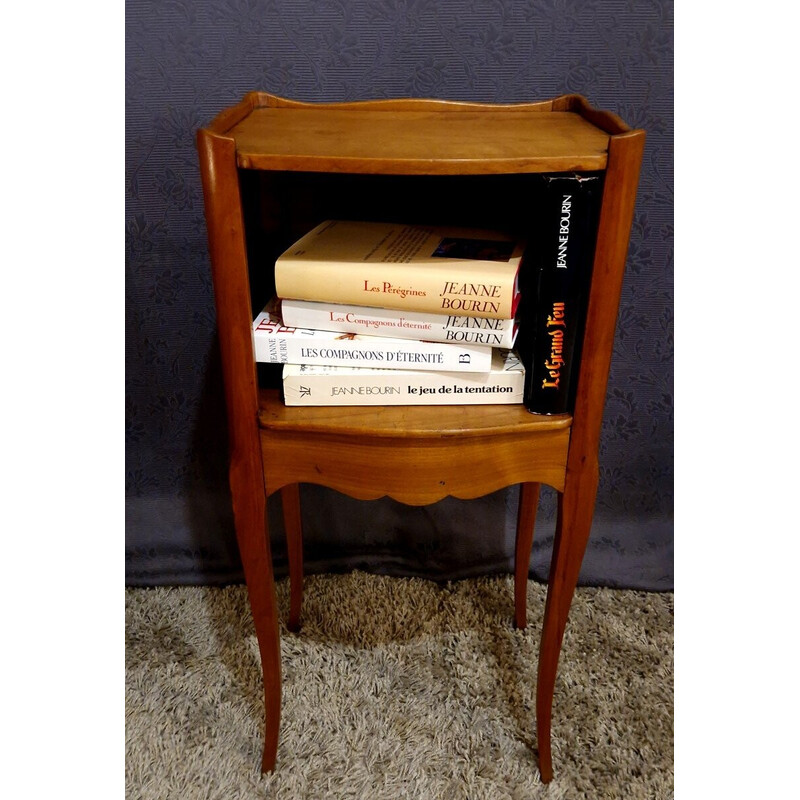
(370,140)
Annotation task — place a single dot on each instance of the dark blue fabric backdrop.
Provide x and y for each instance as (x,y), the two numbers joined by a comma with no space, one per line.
(187,60)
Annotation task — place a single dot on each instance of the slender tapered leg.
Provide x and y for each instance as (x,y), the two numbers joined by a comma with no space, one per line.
(575,511)
(227,247)
(290,498)
(249,510)
(526,516)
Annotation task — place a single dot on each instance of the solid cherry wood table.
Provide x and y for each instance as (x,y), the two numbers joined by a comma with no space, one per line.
(273,168)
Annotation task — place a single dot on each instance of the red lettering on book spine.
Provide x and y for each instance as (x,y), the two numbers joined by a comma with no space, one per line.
(555,325)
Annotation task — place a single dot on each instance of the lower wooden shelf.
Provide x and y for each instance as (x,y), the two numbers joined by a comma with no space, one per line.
(414,454)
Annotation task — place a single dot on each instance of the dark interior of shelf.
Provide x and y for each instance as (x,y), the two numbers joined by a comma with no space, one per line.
(281,206)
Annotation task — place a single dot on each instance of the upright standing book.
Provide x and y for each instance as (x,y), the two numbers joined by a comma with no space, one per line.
(556,278)
(443,270)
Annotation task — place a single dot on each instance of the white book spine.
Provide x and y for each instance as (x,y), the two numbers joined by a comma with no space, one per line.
(335,386)
(396,324)
(276,343)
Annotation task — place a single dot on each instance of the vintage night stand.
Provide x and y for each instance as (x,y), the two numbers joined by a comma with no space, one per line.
(272,169)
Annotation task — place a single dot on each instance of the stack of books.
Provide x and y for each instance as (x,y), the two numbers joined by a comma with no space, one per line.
(373,313)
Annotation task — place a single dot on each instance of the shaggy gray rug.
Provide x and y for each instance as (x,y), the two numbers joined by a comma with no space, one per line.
(397,688)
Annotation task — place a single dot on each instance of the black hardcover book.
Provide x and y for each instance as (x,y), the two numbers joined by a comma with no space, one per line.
(555,279)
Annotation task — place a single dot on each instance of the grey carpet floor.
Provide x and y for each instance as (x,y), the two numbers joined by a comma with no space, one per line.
(398,688)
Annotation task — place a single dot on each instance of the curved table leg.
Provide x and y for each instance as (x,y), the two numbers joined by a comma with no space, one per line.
(250,519)
(575,511)
(290,499)
(526,516)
